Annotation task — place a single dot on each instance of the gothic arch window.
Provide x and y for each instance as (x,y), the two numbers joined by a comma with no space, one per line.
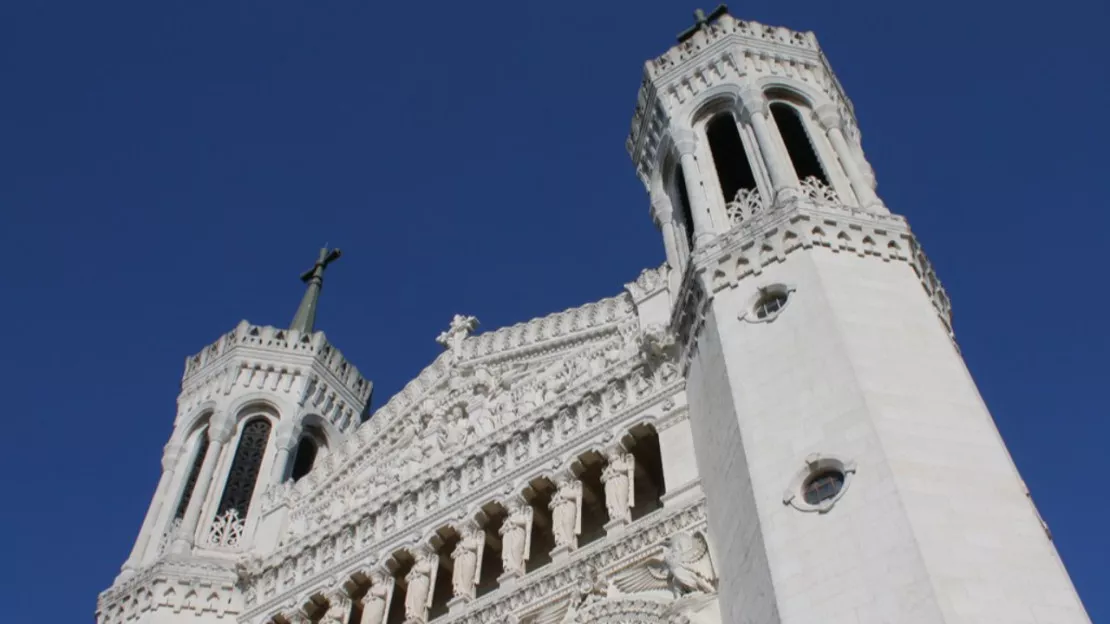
(730,159)
(798,142)
(245,466)
(680,199)
(194,473)
(307,449)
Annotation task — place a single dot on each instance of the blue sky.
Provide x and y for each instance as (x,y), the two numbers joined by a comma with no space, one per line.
(167,169)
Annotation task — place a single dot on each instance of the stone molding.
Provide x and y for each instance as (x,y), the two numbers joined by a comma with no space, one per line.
(195,586)
(649,282)
(789,226)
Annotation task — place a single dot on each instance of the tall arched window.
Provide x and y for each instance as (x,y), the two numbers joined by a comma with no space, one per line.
(245,467)
(681,202)
(304,458)
(797,141)
(734,172)
(194,472)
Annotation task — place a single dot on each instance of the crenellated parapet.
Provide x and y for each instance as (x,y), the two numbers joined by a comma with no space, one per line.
(304,368)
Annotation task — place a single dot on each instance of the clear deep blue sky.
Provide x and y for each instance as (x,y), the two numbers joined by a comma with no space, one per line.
(169,168)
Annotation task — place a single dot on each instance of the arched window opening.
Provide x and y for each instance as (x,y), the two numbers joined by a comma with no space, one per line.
(797,141)
(543,539)
(734,172)
(194,473)
(396,613)
(245,467)
(649,486)
(683,205)
(492,566)
(304,458)
(444,590)
(594,514)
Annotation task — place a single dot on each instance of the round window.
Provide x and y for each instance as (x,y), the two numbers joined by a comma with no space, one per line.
(822,486)
(770,303)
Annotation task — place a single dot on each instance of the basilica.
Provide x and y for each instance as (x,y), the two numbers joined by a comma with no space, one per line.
(773,427)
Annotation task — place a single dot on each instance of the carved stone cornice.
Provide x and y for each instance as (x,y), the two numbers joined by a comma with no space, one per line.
(787,227)
(174,584)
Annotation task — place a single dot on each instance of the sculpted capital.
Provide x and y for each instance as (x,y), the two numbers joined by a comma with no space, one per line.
(685,141)
(221,428)
(170,454)
(752,101)
(828,117)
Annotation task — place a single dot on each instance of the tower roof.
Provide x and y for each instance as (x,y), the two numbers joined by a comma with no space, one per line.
(304,320)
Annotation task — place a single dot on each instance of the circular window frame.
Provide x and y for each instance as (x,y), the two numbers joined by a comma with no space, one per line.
(816,465)
(751,314)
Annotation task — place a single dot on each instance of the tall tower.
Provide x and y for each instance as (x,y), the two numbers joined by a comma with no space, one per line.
(852,471)
(257,409)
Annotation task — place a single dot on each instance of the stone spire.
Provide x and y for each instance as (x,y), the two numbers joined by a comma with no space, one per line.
(305,319)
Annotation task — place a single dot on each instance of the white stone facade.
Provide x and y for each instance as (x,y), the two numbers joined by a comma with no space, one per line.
(647,458)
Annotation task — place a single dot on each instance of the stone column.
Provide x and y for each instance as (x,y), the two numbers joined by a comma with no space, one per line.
(566,515)
(686,143)
(218,435)
(170,456)
(663,213)
(830,121)
(618,478)
(756,111)
(284,443)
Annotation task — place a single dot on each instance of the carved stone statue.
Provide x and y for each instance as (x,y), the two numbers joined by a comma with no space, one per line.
(685,569)
(566,511)
(458,430)
(460,328)
(418,597)
(468,561)
(516,537)
(375,603)
(339,608)
(618,478)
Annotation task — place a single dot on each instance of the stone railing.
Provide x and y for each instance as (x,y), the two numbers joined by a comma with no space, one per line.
(444,493)
(745,206)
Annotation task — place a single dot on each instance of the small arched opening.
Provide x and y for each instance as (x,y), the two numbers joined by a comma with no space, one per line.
(307,449)
(799,145)
(200,444)
(680,200)
(730,159)
(649,486)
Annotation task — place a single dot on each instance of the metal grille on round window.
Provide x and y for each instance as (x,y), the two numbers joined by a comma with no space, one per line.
(244,468)
(823,486)
(194,472)
(769,304)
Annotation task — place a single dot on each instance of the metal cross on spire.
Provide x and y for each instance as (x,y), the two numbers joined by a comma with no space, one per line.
(305,319)
(701,20)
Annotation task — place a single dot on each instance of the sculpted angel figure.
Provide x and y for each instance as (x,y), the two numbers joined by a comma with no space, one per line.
(618,478)
(468,561)
(685,569)
(516,537)
(375,603)
(566,511)
(418,597)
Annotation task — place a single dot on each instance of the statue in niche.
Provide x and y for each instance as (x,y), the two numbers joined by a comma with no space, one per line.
(339,606)
(420,578)
(516,537)
(468,561)
(458,430)
(618,478)
(375,603)
(502,409)
(482,420)
(566,511)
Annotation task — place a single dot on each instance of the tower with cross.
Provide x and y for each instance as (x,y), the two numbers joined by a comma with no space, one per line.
(776,426)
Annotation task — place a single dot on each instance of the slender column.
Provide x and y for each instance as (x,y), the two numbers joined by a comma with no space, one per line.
(170,457)
(218,435)
(830,121)
(284,443)
(664,216)
(686,144)
(784,180)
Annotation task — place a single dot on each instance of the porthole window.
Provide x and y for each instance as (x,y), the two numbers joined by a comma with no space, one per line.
(822,487)
(770,304)
(767,303)
(820,483)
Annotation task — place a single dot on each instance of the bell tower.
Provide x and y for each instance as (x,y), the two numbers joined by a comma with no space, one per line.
(851,468)
(257,409)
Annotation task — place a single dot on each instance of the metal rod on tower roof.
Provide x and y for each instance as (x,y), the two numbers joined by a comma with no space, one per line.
(304,320)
